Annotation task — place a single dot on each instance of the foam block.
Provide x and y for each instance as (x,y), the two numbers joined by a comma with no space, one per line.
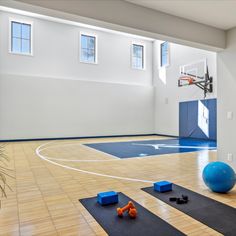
(106,198)
(163,186)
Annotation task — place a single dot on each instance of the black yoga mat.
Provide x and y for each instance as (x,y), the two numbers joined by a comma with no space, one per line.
(146,223)
(214,214)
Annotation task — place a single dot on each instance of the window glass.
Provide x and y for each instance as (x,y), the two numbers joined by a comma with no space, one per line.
(16,29)
(164,54)
(25,31)
(20,37)
(88,48)
(137,56)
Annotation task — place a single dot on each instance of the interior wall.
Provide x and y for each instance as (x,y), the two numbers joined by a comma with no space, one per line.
(56,54)
(226,101)
(128,17)
(167,93)
(130,99)
(51,94)
(37,107)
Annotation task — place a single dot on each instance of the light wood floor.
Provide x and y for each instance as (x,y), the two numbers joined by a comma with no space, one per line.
(45,197)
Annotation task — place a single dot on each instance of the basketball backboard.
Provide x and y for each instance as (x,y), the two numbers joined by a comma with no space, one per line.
(192,72)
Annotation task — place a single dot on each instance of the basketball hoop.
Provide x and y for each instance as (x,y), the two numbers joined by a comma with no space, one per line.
(186,80)
(196,74)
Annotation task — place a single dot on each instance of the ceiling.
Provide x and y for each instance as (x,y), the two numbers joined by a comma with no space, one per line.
(217,13)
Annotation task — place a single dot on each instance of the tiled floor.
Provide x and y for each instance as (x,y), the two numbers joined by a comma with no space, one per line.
(45,196)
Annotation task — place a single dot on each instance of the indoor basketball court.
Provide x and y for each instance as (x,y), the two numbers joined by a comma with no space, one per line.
(111,126)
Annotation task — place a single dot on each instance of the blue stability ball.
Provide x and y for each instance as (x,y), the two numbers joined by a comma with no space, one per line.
(219,177)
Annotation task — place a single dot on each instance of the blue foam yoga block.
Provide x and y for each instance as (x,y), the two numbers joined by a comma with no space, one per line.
(106,198)
(163,186)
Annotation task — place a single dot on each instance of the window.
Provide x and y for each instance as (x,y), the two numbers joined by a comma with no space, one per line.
(137,56)
(164,54)
(88,45)
(21,38)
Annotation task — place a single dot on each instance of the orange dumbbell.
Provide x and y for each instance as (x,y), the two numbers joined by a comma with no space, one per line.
(130,208)
(133,212)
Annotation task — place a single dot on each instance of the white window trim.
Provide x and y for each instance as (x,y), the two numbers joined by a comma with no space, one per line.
(96,48)
(168,55)
(144,55)
(31,36)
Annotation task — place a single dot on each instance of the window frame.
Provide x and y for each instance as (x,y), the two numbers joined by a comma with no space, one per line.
(167,56)
(143,58)
(96,48)
(20,21)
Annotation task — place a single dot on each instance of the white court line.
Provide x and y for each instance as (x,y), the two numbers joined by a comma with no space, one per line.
(114,158)
(84,146)
(85,171)
(48,159)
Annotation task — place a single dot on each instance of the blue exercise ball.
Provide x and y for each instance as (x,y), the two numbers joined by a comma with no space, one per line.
(219,177)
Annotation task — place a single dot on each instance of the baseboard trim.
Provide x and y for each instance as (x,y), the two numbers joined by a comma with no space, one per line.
(168,135)
(79,137)
(88,137)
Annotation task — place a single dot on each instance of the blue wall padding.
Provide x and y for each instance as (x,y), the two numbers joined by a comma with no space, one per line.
(188,119)
(106,198)
(183,119)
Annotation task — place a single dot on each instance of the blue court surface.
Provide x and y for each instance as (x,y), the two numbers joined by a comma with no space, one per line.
(153,147)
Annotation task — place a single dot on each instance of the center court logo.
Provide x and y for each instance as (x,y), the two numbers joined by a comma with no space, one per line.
(159,146)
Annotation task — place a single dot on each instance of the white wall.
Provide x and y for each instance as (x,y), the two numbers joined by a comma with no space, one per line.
(168,94)
(127,17)
(56,54)
(52,94)
(37,107)
(226,99)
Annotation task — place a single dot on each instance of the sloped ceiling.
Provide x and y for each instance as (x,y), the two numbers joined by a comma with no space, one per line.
(217,13)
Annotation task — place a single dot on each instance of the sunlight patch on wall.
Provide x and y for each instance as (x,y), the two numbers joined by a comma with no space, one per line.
(162,74)
(203,118)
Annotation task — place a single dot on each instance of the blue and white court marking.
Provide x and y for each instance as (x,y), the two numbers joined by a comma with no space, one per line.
(138,149)
(153,147)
